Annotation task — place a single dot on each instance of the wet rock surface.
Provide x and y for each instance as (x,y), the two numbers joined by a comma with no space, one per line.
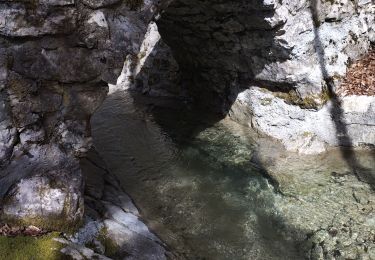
(112,227)
(154,71)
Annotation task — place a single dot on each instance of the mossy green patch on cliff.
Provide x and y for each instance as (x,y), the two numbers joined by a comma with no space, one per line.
(25,247)
(52,223)
(315,101)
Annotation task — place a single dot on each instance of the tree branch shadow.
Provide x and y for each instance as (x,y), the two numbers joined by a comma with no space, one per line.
(344,140)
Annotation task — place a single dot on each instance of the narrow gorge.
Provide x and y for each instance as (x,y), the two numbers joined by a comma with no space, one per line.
(187,129)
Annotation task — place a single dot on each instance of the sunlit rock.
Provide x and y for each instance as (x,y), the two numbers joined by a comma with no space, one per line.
(52,200)
(308,131)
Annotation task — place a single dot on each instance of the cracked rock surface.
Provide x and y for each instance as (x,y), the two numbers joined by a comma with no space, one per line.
(349,122)
(224,46)
(56,60)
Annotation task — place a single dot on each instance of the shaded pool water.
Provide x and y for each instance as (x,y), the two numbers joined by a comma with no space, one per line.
(194,180)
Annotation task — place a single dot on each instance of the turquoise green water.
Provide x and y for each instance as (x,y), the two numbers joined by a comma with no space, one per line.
(195,181)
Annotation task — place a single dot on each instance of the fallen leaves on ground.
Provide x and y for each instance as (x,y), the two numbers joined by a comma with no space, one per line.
(6,230)
(360,78)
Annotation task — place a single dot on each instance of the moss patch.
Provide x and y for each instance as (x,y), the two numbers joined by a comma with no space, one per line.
(111,248)
(309,102)
(25,248)
(51,223)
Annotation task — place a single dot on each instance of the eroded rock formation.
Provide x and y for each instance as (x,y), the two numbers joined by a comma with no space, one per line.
(56,60)
(292,54)
(225,46)
(348,122)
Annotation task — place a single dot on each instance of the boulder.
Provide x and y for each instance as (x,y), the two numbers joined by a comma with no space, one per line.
(347,122)
(52,201)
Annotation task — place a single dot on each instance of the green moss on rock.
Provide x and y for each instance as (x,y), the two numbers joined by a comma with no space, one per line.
(111,248)
(309,102)
(26,248)
(53,223)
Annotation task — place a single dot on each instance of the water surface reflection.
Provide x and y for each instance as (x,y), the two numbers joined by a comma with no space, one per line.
(200,183)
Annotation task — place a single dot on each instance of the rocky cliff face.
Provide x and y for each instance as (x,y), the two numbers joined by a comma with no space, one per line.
(56,60)
(223,46)
(153,71)
(292,54)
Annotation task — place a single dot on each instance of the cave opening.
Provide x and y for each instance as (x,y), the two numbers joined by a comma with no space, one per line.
(212,50)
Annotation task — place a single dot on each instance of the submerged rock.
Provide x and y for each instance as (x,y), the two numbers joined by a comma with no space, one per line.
(220,191)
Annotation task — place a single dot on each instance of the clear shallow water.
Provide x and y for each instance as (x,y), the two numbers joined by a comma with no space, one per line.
(194,181)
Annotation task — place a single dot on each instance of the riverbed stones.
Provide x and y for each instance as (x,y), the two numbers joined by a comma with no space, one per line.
(319,200)
(321,195)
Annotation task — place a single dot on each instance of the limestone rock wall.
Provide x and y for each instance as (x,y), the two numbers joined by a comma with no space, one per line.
(153,71)
(308,131)
(56,60)
(225,46)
